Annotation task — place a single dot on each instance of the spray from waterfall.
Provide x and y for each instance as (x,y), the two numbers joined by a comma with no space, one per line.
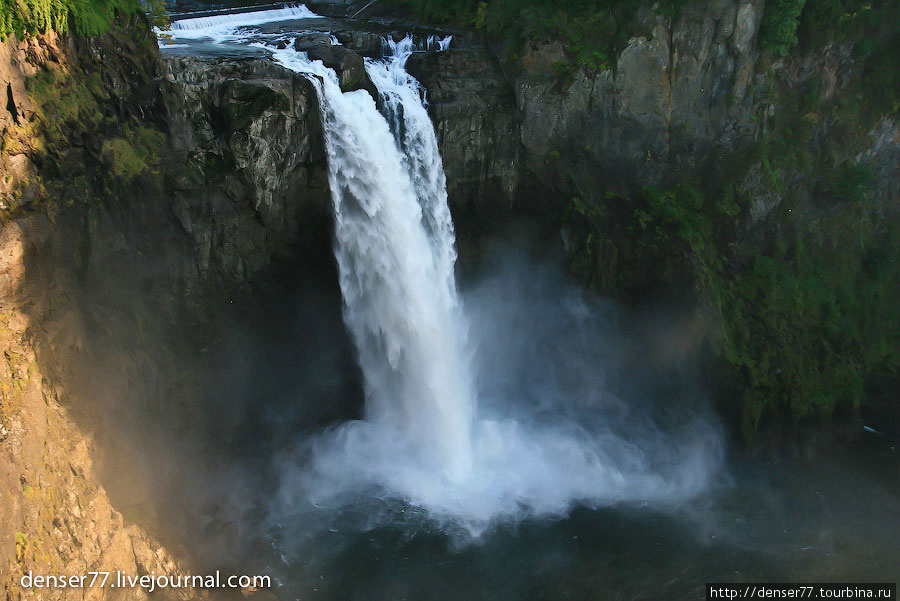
(423,440)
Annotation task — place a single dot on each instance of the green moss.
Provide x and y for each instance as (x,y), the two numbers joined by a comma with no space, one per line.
(800,325)
(25,18)
(61,99)
(136,153)
(73,105)
(801,303)
(780,23)
(29,17)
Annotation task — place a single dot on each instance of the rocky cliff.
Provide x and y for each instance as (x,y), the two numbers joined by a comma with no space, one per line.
(141,194)
(679,89)
(681,168)
(253,183)
(138,197)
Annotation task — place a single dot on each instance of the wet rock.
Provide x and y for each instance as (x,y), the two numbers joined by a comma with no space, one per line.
(476,122)
(367,43)
(349,66)
(254,172)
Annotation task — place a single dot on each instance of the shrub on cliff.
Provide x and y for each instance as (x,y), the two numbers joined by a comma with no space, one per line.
(88,17)
(780,23)
(137,152)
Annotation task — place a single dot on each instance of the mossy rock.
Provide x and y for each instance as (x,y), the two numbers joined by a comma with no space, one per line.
(245,102)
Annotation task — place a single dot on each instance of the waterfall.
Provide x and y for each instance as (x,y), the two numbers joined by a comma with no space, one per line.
(244,19)
(403,101)
(423,440)
(438,44)
(395,253)
(221,25)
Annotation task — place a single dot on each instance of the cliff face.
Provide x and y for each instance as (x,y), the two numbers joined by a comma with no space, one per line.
(59,228)
(703,169)
(699,168)
(137,197)
(477,123)
(678,90)
(251,181)
(140,193)
(56,515)
(684,91)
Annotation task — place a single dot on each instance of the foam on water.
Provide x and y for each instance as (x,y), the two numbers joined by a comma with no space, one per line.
(219,27)
(438,44)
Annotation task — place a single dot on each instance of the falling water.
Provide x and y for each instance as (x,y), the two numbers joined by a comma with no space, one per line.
(544,434)
(395,258)
(422,440)
(403,104)
(229,21)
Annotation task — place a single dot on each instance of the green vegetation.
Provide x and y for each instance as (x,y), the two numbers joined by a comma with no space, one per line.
(60,99)
(591,31)
(25,18)
(780,23)
(815,23)
(862,21)
(133,154)
(800,323)
(84,139)
(799,296)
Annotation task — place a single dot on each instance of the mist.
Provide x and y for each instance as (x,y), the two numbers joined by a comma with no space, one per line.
(563,376)
(492,406)
(566,415)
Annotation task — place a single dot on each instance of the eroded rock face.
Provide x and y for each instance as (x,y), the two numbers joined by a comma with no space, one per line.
(476,122)
(106,281)
(884,158)
(367,43)
(56,517)
(254,183)
(675,92)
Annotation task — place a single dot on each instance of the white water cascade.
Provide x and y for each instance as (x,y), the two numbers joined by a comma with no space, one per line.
(230,21)
(422,440)
(394,247)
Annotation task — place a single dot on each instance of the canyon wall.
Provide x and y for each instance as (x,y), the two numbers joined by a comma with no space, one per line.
(141,194)
(139,197)
(694,163)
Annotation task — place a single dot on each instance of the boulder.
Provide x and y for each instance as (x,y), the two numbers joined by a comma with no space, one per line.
(349,66)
